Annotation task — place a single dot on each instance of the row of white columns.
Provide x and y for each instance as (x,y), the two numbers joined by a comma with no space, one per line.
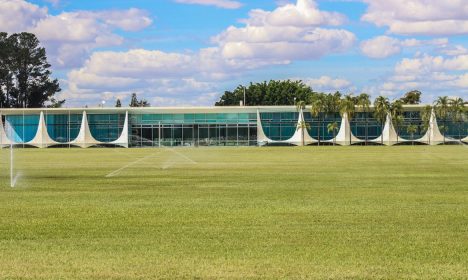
(345,136)
(42,139)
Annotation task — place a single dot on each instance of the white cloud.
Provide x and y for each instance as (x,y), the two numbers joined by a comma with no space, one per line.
(129,20)
(288,33)
(453,50)
(268,38)
(328,84)
(419,17)
(70,37)
(381,47)
(226,4)
(433,75)
(20,15)
(385,46)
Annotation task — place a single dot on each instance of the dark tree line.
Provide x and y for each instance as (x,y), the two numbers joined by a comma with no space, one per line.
(25,80)
(286,93)
(134,102)
(267,93)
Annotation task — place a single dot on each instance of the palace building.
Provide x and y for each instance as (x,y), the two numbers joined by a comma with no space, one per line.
(220,126)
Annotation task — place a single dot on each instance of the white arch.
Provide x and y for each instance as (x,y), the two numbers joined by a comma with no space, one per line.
(42,138)
(296,139)
(4,140)
(433,135)
(123,139)
(389,135)
(345,136)
(85,139)
(262,139)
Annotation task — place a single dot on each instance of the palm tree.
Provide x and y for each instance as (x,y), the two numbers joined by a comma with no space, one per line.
(302,125)
(412,129)
(457,108)
(426,114)
(300,106)
(442,107)
(333,127)
(348,106)
(396,111)
(381,109)
(316,109)
(363,101)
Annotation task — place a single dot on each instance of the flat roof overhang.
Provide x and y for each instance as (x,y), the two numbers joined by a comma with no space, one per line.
(169,110)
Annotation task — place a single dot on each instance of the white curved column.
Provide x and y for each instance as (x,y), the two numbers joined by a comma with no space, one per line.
(389,135)
(42,138)
(85,139)
(262,139)
(123,139)
(4,140)
(433,135)
(296,139)
(345,136)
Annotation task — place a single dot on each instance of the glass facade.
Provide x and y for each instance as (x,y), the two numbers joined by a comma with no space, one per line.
(201,129)
(210,127)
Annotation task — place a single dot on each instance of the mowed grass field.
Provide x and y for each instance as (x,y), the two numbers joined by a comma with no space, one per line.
(236,213)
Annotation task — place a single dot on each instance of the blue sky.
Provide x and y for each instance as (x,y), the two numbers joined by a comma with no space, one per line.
(187,52)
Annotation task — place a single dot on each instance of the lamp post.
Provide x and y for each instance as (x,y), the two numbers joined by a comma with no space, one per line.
(244,97)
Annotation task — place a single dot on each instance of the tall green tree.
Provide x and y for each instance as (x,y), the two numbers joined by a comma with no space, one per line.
(317,109)
(381,109)
(396,111)
(442,109)
(25,80)
(412,97)
(134,102)
(363,102)
(457,110)
(272,93)
(412,129)
(333,127)
(348,106)
(118,103)
(426,113)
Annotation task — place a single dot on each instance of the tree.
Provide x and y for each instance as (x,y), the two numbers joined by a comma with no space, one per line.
(333,127)
(348,107)
(396,111)
(363,102)
(457,109)
(412,98)
(426,114)
(412,129)
(316,109)
(302,125)
(134,102)
(300,106)
(442,108)
(118,104)
(381,109)
(272,93)
(25,74)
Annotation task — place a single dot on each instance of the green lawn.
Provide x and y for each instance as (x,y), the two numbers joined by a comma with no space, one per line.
(314,212)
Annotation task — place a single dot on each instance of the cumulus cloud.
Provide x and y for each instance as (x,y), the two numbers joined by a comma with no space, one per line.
(226,4)
(328,84)
(288,33)
(434,75)
(21,15)
(267,38)
(385,46)
(70,37)
(419,17)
